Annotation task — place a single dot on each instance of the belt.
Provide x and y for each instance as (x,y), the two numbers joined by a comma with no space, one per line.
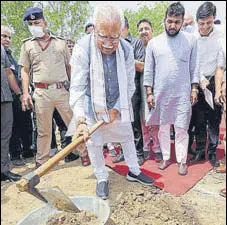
(50,86)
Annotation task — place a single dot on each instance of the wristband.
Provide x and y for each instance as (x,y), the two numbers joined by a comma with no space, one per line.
(18,95)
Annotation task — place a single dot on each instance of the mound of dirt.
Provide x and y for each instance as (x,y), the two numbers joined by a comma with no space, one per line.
(150,207)
(70,218)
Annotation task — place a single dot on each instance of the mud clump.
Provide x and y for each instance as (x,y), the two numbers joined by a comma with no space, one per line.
(71,218)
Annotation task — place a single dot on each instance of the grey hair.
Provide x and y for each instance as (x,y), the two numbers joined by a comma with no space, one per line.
(3,27)
(108,13)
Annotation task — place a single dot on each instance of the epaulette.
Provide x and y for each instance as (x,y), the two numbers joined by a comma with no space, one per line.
(60,37)
(26,39)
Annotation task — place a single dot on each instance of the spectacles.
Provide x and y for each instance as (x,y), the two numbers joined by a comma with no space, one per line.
(5,36)
(111,39)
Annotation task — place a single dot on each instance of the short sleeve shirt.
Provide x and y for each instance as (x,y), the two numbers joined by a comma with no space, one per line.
(6,95)
(49,65)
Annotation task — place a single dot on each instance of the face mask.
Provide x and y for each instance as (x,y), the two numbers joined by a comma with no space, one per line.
(36,31)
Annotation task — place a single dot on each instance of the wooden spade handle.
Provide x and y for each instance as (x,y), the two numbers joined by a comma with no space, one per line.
(43,169)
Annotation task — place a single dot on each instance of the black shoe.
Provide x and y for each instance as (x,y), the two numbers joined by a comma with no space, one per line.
(37,165)
(102,190)
(18,162)
(198,157)
(158,156)
(213,160)
(53,152)
(71,157)
(191,151)
(141,160)
(27,154)
(141,178)
(10,176)
(147,154)
(119,158)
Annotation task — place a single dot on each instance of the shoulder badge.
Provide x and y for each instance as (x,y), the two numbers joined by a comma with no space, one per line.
(60,37)
(26,39)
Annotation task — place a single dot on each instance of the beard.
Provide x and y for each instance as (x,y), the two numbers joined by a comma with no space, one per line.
(172,34)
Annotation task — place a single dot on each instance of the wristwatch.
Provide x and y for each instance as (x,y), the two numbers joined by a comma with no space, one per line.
(18,95)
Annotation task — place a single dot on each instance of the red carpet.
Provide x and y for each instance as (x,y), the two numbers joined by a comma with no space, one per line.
(169,180)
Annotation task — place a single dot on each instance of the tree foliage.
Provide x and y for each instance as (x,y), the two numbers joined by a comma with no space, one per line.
(11,15)
(65,18)
(155,13)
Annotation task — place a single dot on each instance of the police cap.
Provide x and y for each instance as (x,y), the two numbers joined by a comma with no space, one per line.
(33,13)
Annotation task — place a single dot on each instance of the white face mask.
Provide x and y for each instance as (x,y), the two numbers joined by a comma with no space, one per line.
(36,31)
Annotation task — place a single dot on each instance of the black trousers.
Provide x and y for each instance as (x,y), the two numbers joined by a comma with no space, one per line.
(205,120)
(136,125)
(62,128)
(21,139)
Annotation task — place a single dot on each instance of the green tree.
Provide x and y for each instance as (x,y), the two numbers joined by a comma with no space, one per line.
(155,13)
(11,15)
(67,18)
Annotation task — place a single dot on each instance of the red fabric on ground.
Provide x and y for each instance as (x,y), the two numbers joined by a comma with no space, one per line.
(168,179)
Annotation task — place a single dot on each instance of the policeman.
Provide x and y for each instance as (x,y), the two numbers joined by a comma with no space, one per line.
(48,56)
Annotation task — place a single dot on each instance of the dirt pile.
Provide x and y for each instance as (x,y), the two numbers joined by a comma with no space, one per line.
(69,218)
(150,207)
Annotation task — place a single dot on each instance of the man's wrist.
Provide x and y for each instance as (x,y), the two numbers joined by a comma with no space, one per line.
(223,83)
(149,91)
(18,95)
(195,90)
(81,120)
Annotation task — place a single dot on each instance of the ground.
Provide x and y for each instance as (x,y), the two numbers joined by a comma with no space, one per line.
(130,203)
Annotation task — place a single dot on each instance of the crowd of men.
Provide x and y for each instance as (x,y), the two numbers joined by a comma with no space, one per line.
(142,88)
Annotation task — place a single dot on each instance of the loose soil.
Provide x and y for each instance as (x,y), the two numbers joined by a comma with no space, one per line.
(130,203)
(69,218)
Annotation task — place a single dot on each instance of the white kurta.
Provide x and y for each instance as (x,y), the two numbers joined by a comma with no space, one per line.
(81,104)
(171,66)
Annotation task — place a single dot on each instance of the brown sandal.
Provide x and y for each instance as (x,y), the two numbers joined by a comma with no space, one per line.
(84,157)
(223,192)
(85,161)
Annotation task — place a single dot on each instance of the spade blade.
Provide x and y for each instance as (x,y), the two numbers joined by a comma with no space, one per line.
(56,197)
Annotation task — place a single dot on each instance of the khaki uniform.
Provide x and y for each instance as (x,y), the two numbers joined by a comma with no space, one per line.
(49,67)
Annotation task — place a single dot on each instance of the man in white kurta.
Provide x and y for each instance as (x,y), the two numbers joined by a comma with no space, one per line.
(102,85)
(171,81)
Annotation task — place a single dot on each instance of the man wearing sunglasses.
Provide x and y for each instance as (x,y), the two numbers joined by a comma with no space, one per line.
(102,85)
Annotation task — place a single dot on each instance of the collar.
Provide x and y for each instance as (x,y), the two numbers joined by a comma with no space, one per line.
(49,32)
(8,51)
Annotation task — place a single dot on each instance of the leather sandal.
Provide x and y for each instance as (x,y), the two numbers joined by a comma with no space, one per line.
(85,160)
(223,192)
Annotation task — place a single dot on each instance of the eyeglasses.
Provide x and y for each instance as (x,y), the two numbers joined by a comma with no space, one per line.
(111,39)
(5,36)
